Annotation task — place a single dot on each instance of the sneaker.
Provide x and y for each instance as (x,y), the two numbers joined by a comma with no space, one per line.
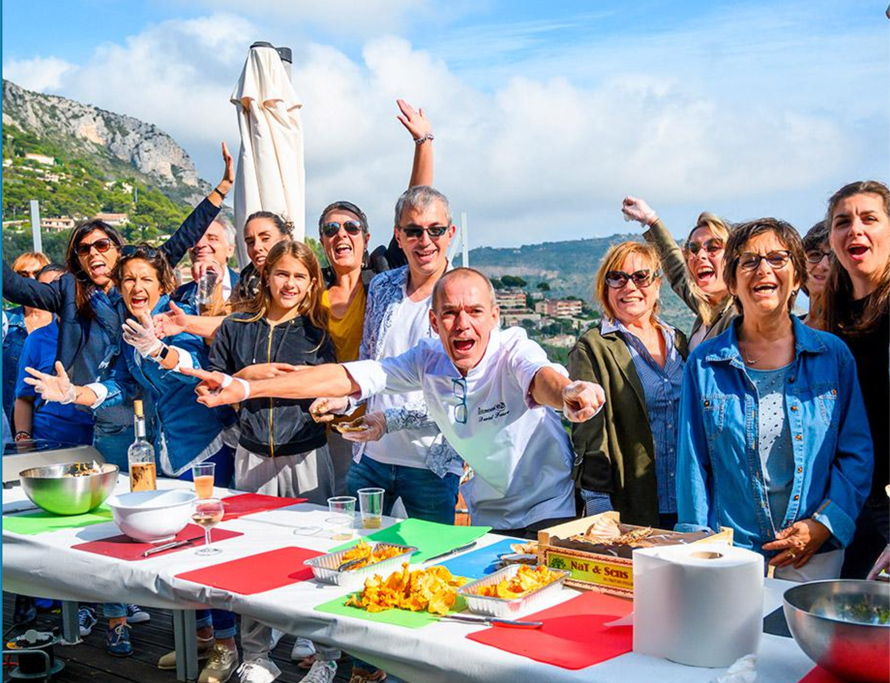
(85,621)
(167,662)
(117,641)
(321,672)
(221,664)
(137,615)
(25,611)
(258,671)
(303,647)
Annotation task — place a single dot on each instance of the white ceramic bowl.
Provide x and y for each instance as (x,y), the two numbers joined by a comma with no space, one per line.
(152,516)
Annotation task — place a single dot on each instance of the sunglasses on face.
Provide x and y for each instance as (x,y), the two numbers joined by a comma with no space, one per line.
(414,232)
(101,246)
(616,279)
(142,250)
(712,246)
(815,256)
(749,261)
(332,228)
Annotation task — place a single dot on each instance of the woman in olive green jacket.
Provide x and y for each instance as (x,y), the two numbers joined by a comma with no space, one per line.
(628,449)
(695,271)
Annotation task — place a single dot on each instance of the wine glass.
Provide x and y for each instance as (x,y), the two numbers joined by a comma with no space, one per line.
(208,513)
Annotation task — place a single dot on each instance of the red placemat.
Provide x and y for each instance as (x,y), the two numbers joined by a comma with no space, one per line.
(573,635)
(125,548)
(249,503)
(820,675)
(256,573)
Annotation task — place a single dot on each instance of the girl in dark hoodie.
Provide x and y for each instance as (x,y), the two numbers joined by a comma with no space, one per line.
(281,450)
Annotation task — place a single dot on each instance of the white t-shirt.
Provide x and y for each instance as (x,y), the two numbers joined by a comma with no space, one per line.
(520,454)
(406,447)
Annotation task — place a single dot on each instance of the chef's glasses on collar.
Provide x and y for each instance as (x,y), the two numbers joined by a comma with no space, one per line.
(459,387)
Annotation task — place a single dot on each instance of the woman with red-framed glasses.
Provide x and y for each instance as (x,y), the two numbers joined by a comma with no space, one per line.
(695,271)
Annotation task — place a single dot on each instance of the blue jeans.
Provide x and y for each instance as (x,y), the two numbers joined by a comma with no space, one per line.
(223,622)
(113,441)
(425,495)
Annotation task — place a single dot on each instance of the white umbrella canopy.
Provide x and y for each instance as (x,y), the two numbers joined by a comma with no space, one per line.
(270,174)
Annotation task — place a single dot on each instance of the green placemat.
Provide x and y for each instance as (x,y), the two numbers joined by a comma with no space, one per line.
(396,617)
(429,537)
(40,521)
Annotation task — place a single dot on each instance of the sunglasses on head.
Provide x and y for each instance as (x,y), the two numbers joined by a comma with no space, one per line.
(414,232)
(750,261)
(332,228)
(815,256)
(616,279)
(712,246)
(142,250)
(100,245)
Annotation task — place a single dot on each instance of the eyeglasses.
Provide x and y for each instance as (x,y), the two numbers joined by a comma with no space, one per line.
(749,261)
(815,256)
(332,228)
(143,250)
(616,279)
(414,232)
(712,246)
(459,387)
(101,246)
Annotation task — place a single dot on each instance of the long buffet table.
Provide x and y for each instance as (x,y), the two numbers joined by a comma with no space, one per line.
(46,565)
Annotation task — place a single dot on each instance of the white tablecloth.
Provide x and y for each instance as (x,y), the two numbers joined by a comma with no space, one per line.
(45,565)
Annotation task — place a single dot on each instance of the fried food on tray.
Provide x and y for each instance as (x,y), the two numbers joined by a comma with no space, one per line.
(433,590)
(529,548)
(526,580)
(369,554)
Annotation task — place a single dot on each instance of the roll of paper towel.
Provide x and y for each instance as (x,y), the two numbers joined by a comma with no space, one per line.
(700,604)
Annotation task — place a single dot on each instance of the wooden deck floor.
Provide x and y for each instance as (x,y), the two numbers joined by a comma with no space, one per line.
(89,662)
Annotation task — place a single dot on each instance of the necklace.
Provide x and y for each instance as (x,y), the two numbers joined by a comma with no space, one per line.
(753,361)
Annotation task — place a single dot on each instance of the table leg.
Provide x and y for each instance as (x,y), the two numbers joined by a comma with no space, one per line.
(70,628)
(186,644)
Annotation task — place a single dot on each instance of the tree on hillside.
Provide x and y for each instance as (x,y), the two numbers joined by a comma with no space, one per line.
(544,287)
(512,281)
(496,283)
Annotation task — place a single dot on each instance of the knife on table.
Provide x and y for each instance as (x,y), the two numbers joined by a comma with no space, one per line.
(459,549)
(170,546)
(493,621)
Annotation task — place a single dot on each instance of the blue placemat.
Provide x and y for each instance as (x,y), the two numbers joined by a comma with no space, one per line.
(481,562)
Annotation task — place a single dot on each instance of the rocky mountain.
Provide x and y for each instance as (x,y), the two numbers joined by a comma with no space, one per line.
(115,143)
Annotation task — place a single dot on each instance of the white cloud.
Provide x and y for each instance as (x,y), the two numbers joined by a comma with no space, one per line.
(530,156)
(39,74)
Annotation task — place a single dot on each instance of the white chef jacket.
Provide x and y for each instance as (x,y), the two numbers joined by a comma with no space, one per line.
(519,451)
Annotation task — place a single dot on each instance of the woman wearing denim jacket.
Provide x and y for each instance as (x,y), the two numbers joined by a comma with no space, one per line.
(774,441)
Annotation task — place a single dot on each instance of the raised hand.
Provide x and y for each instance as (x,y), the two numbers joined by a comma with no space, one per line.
(326,409)
(55,388)
(170,323)
(142,335)
(228,178)
(582,400)
(415,121)
(637,210)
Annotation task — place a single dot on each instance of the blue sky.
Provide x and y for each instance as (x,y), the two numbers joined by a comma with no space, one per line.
(546,114)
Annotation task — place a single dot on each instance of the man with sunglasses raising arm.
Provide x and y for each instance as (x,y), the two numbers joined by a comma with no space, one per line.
(490,391)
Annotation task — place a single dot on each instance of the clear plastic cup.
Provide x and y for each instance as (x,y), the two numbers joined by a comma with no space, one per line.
(371,506)
(342,509)
(203,474)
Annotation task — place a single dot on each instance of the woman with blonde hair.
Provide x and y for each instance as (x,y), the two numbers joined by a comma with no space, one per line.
(857,309)
(695,271)
(628,450)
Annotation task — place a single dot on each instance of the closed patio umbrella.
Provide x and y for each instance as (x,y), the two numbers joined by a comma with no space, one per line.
(270,174)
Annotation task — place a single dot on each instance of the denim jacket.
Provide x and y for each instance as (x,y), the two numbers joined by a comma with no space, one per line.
(191,432)
(719,476)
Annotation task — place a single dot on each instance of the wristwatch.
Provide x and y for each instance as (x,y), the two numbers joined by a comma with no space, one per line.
(162,354)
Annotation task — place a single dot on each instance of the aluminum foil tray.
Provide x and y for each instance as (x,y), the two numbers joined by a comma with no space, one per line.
(324,567)
(505,608)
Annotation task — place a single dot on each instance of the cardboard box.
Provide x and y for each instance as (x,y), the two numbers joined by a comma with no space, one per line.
(594,571)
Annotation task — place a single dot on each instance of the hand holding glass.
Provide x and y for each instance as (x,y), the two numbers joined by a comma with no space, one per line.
(208,513)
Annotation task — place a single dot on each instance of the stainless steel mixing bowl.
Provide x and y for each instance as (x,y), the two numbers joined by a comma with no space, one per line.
(54,490)
(827,619)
